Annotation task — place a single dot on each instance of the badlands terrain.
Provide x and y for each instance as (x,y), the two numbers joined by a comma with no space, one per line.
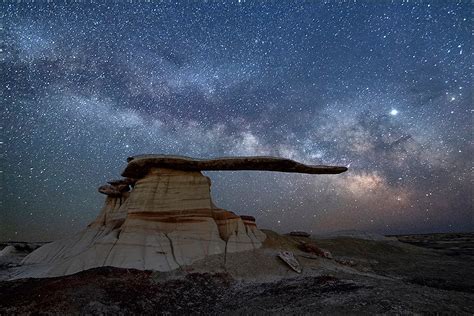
(160,245)
(367,274)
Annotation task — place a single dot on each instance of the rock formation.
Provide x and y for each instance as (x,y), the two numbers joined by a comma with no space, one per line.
(160,217)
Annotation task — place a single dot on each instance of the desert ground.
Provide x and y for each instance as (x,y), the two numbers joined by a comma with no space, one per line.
(410,274)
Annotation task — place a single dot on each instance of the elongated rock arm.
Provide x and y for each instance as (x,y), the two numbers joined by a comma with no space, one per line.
(139,166)
(161,217)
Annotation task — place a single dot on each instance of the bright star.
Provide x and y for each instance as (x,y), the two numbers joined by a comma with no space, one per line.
(393,112)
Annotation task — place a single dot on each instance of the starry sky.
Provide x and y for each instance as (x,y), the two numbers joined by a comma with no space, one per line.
(382,87)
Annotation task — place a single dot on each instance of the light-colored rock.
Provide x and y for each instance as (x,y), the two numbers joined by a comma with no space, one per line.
(166,221)
(255,234)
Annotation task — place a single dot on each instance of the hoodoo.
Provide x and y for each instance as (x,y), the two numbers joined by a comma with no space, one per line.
(160,216)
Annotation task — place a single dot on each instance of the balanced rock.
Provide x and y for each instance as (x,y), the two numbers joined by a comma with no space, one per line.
(166,221)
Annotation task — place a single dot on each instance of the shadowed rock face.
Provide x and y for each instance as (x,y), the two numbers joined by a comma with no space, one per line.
(167,220)
(139,166)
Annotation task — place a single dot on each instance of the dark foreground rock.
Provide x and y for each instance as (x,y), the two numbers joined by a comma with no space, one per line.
(124,292)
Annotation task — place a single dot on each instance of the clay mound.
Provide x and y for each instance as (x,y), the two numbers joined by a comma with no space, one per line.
(6,253)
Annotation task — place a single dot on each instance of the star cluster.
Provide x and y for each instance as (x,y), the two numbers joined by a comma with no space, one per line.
(382,87)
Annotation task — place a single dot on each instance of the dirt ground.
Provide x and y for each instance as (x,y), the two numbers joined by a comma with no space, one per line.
(363,277)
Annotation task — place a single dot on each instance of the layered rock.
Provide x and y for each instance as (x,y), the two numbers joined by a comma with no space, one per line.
(166,221)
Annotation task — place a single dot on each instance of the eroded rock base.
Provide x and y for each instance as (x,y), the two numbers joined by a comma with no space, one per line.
(166,221)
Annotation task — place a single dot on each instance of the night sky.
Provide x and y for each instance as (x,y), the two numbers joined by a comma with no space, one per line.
(382,87)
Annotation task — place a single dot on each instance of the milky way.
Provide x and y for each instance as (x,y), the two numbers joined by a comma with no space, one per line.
(382,87)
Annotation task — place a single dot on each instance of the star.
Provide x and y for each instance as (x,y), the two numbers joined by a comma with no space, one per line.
(209,79)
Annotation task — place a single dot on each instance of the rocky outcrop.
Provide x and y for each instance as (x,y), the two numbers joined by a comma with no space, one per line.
(156,218)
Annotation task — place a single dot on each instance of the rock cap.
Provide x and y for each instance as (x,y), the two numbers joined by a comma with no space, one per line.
(138,166)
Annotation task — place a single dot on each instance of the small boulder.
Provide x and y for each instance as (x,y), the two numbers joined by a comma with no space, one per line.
(312,248)
(109,190)
(346,261)
(299,234)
